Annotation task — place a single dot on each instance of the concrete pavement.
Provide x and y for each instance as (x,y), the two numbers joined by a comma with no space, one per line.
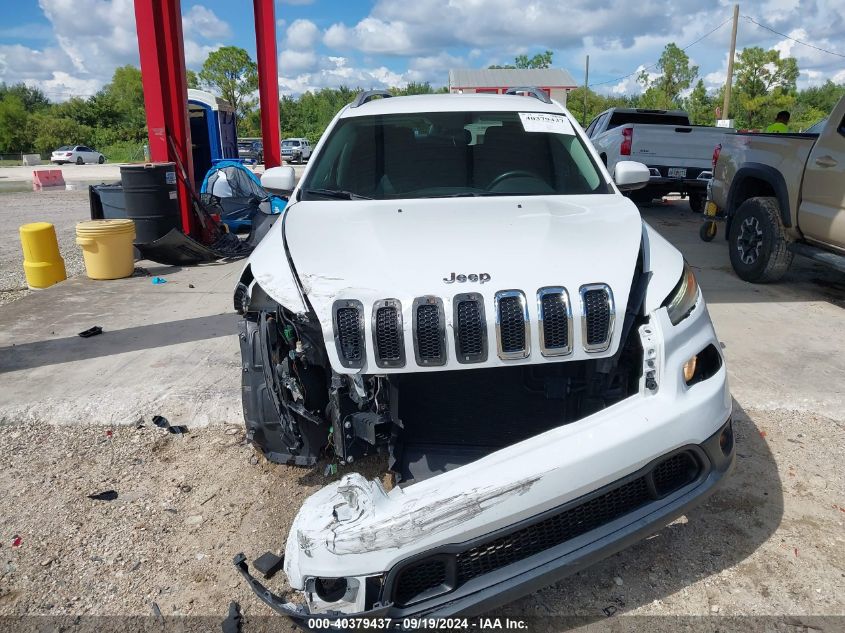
(166,349)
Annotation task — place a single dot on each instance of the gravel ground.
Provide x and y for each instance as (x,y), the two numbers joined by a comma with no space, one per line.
(770,542)
(61,208)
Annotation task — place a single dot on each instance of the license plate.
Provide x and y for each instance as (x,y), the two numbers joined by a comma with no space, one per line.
(677,172)
(710,209)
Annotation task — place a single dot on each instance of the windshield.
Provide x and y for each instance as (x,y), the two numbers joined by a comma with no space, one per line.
(290,143)
(442,154)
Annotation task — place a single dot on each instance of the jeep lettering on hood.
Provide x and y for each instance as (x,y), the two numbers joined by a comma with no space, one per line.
(472,277)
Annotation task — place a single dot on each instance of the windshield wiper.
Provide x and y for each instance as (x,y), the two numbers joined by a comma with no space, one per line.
(340,194)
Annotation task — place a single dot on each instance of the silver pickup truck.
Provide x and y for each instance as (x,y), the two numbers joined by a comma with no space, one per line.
(782,194)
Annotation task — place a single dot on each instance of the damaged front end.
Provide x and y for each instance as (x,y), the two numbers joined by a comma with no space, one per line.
(528,429)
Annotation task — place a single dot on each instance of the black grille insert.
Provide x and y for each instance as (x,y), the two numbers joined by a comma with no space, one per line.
(513,330)
(349,333)
(555,322)
(470,328)
(419,578)
(429,328)
(387,334)
(551,529)
(598,316)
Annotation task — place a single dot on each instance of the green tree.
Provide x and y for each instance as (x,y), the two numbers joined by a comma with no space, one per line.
(231,71)
(675,75)
(48,132)
(32,98)
(765,83)
(540,60)
(193,79)
(700,106)
(13,119)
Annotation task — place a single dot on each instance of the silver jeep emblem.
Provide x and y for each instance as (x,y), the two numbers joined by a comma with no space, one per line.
(473,277)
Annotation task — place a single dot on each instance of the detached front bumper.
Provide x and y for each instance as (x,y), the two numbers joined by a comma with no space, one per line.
(715,459)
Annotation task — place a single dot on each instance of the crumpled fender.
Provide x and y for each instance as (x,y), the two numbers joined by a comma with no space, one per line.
(664,262)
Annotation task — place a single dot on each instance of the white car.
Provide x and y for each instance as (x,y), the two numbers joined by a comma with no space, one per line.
(458,284)
(79,154)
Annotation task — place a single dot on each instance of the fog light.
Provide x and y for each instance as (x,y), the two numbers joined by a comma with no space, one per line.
(689,369)
(330,589)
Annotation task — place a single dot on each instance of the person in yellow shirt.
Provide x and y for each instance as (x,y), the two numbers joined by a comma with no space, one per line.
(781,121)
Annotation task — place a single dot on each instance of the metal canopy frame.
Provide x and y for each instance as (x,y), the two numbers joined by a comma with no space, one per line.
(162,52)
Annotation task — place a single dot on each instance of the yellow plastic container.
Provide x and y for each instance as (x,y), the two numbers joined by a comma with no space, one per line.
(42,263)
(107,248)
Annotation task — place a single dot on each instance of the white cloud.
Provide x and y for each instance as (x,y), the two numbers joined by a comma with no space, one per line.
(302,34)
(195,53)
(203,23)
(334,72)
(297,61)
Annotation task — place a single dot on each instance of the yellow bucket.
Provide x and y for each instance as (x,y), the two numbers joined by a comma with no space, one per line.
(42,263)
(107,248)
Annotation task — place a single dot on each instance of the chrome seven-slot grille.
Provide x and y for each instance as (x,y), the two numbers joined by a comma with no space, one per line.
(555,324)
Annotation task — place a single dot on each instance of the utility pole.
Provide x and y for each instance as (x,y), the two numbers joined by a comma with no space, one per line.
(726,113)
(586,89)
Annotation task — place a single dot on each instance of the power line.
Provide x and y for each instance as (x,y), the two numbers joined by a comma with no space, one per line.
(823,50)
(710,32)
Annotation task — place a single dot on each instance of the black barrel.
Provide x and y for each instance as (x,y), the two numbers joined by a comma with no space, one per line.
(151,199)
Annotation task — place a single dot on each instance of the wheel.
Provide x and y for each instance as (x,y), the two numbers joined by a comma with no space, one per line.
(757,244)
(79,160)
(260,159)
(708,231)
(101,160)
(641,198)
(696,202)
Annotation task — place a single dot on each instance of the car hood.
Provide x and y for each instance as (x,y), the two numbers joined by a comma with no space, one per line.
(371,250)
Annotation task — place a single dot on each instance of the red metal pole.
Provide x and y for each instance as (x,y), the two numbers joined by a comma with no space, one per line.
(268,81)
(160,43)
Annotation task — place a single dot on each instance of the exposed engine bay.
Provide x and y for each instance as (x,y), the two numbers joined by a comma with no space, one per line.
(299,410)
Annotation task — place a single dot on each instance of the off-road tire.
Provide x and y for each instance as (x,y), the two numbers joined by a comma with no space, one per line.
(756,243)
(696,202)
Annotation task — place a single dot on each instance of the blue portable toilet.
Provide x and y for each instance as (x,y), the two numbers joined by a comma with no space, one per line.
(214,133)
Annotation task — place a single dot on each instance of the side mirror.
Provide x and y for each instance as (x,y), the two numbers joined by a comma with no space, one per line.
(630,175)
(279,180)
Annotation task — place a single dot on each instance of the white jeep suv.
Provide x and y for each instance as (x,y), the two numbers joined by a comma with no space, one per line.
(459,290)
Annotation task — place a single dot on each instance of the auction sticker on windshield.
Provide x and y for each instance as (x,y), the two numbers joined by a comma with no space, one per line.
(545,122)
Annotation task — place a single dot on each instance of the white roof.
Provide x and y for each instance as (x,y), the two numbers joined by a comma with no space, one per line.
(510,78)
(206,98)
(452,103)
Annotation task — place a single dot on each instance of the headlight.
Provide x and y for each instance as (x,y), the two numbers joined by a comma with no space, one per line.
(683,298)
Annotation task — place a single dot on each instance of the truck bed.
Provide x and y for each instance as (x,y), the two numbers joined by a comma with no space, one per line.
(688,147)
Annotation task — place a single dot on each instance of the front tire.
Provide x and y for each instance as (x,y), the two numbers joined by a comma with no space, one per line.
(79,160)
(756,243)
(696,202)
(101,160)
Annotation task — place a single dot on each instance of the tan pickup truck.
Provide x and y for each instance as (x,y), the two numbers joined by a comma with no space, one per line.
(782,195)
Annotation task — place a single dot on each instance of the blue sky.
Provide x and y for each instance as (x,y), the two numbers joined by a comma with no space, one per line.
(71,47)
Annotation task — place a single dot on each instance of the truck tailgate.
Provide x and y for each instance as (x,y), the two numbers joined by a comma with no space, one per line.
(676,146)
